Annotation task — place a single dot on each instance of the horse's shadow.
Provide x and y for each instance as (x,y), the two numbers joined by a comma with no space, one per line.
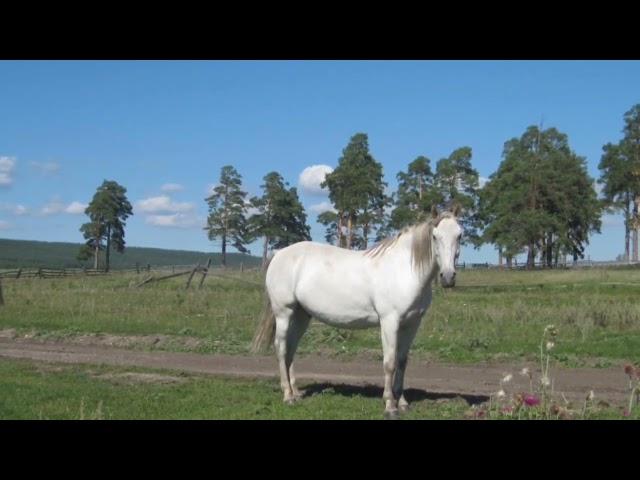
(374,391)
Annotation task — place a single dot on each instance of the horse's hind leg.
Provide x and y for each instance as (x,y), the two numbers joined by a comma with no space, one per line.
(297,327)
(283,323)
(290,325)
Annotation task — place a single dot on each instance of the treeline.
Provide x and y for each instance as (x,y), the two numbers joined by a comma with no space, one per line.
(540,201)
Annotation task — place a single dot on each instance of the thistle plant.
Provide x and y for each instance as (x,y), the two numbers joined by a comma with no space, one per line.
(634,386)
(547,343)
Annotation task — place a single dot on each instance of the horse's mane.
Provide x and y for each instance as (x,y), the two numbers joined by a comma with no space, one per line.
(420,244)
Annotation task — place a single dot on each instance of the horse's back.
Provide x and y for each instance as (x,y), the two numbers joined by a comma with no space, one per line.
(330,283)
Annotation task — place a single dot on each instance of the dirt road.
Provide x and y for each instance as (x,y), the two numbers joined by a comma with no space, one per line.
(474,382)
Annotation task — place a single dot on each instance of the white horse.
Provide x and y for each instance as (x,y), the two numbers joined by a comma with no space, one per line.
(388,285)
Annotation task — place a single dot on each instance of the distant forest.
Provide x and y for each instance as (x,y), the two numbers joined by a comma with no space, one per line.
(27,253)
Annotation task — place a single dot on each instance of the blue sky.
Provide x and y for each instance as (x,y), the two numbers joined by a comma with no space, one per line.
(164,129)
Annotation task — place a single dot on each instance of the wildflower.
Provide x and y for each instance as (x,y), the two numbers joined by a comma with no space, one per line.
(500,394)
(545,381)
(525,372)
(507,378)
(591,396)
(531,400)
(550,345)
(508,410)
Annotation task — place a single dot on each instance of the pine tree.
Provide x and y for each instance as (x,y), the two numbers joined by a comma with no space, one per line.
(356,188)
(281,218)
(227,211)
(456,181)
(107,212)
(540,199)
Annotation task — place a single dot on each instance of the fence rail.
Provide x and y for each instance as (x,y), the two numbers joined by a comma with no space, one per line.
(42,272)
(540,265)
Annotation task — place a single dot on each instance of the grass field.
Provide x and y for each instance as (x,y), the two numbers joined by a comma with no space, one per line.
(49,391)
(490,315)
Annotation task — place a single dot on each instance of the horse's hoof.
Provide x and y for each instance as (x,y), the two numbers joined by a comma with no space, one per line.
(404,408)
(391,415)
(290,401)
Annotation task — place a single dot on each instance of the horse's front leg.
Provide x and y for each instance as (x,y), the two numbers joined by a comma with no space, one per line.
(406,335)
(389,331)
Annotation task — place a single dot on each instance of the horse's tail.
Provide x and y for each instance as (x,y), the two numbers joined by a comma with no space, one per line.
(266,331)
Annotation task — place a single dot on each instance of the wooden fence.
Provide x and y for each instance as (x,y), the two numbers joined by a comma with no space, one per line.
(42,272)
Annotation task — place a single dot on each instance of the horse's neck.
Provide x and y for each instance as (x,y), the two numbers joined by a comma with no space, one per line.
(404,261)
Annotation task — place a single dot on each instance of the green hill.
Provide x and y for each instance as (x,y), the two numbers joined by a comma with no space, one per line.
(28,253)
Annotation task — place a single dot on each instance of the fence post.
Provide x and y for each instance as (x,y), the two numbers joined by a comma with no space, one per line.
(193,272)
(148,267)
(204,274)
(241,267)
(39,272)
(137,267)
(19,273)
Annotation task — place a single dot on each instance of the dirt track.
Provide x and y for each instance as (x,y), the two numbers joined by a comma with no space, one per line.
(474,382)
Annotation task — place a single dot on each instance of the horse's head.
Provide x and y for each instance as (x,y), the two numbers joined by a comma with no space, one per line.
(445,239)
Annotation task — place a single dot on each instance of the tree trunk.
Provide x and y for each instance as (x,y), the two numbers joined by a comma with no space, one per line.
(95,256)
(349,225)
(531,256)
(106,262)
(265,249)
(509,261)
(340,239)
(635,228)
(224,250)
(550,249)
(500,257)
(627,229)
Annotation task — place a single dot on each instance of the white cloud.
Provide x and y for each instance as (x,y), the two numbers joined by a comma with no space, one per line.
(75,208)
(53,207)
(482,181)
(7,166)
(311,178)
(13,209)
(171,187)
(56,206)
(46,168)
(322,207)
(4,225)
(176,220)
(163,203)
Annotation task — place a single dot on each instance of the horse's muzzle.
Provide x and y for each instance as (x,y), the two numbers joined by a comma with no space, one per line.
(448,279)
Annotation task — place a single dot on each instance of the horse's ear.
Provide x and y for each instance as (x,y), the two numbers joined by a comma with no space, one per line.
(434,211)
(456,209)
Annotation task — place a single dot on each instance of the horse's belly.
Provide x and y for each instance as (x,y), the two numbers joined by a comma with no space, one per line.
(339,310)
(344,321)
